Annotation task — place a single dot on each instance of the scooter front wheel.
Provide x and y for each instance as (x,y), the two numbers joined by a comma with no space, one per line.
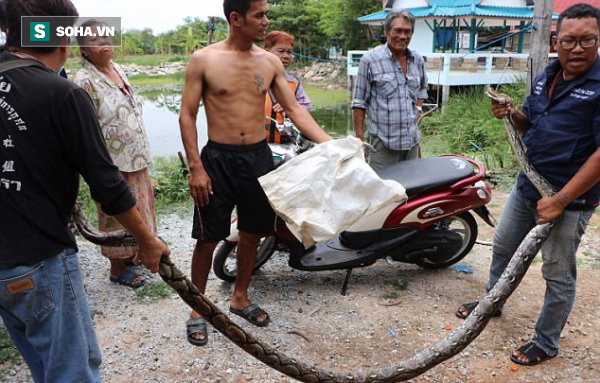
(463,227)
(225,258)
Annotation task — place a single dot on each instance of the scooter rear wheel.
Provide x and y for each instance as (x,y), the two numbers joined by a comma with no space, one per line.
(463,225)
(224,263)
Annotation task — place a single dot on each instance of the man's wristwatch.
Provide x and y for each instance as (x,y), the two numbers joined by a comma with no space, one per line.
(419,109)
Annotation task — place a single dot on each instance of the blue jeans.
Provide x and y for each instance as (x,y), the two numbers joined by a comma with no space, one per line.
(559,268)
(45,310)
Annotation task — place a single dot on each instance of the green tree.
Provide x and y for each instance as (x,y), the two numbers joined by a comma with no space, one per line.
(319,24)
(221,29)
(143,41)
(300,18)
(130,45)
(183,39)
(338,22)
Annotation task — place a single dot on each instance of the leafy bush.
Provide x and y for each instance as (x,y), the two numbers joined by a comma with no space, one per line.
(88,205)
(171,182)
(8,351)
(154,290)
(468,125)
(150,79)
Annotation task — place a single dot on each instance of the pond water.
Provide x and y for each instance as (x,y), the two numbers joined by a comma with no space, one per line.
(161,113)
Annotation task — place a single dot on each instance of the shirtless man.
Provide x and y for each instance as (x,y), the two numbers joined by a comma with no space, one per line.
(232,77)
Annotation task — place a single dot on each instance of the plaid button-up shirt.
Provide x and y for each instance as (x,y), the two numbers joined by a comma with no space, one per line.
(389,96)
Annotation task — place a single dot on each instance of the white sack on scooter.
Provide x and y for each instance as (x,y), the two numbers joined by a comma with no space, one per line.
(322,192)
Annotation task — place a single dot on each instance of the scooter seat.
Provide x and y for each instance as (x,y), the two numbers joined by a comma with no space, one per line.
(423,174)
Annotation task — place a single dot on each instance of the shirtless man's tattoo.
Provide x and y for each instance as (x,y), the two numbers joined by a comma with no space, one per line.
(259,81)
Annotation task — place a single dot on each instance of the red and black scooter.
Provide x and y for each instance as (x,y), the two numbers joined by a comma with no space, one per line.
(434,228)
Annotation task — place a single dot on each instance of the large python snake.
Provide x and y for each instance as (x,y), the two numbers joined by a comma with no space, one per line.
(402,370)
(540,183)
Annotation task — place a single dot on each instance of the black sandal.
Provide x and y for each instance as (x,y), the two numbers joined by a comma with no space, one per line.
(251,314)
(469,307)
(128,278)
(196,326)
(534,354)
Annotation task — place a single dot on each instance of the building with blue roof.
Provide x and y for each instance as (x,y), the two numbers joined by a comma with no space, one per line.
(464,42)
(457,25)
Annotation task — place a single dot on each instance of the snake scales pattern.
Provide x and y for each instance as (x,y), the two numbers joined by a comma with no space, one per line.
(402,370)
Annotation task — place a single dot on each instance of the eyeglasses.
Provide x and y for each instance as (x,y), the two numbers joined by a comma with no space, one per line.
(570,43)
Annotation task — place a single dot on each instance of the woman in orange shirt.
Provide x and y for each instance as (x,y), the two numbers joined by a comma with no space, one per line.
(281,44)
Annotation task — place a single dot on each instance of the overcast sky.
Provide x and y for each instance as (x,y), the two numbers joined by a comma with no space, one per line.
(160,16)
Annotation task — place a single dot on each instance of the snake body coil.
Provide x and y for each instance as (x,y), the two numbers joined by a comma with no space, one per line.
(420,362)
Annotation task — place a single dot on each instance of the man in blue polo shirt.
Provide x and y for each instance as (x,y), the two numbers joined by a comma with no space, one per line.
(560,123)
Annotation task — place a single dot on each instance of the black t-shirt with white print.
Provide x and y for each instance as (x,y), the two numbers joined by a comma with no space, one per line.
(49,135)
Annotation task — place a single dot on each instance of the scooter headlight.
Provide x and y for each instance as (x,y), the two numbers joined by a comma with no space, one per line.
(482,194)
(482,190)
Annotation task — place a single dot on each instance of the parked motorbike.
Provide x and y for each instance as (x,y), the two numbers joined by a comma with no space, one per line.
(434,228)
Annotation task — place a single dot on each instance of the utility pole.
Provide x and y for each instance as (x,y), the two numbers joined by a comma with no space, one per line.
(540,39)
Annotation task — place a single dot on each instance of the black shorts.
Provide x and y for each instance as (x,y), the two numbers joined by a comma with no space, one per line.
(234,172)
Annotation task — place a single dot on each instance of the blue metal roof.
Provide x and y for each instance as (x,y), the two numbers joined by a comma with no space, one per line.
(453,3)
(458,8)
(507,12)
(376,16)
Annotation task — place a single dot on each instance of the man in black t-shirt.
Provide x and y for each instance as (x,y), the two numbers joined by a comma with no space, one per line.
(49,135)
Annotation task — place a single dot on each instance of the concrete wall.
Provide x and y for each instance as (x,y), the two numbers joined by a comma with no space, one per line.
(422,40)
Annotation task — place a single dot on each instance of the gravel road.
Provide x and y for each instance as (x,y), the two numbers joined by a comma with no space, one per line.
(390,312)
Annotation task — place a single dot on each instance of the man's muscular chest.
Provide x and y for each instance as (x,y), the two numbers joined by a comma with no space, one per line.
(251,78)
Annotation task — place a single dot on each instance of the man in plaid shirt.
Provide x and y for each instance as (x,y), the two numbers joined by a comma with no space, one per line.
(390,88)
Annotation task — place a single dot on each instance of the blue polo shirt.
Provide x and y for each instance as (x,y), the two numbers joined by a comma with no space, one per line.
(564,132)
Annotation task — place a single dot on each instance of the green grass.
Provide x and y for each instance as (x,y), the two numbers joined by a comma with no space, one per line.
(537,259)
(433,145)
(170,189)
(150,60)
(390,295)
(171,186)
(74,63)
(398,284)
(88,206)
(147,79)
(154,290)
(467,126)
(504,180)
(8,351)
(153,93)
(143,60)
(180,208)
(320,97)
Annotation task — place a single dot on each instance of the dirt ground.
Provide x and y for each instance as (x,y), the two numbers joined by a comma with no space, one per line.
(391,311)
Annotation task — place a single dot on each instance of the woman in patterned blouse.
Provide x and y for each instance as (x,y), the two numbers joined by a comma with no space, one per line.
(120,115)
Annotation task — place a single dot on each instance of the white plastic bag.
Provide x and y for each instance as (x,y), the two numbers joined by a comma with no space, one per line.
(322,192)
